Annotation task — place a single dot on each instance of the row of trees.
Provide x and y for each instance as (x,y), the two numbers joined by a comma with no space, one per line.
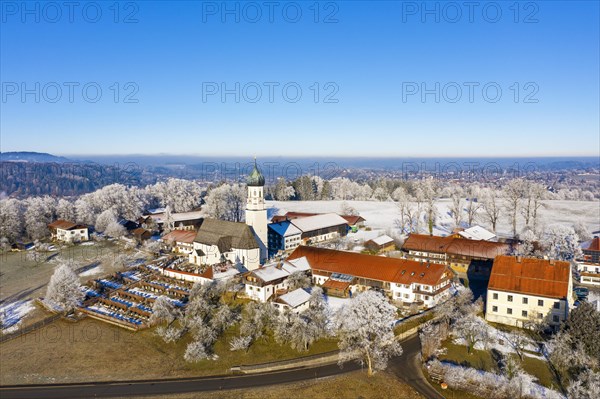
(102,208)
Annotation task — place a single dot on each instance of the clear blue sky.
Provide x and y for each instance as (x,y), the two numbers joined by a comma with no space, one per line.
(373,54)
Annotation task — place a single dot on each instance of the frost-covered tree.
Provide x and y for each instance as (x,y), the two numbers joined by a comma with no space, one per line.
(380,194)
(115,230)
(317,312)
(298,279)
(471,329)
(586,386)
(490,201)
(163,310)
(365,333)
(240,343)
(528,240)
(85,210)
(181,195)
(11,219)
(408,222)
(104,219)
(569,356)
(168,221)
(39,213)
(256,319)
(518,341)
(283,192)
(473,205)
(64,291)
(347,210)
(226,202)
(65,210)
(195,351)
(582,231)
(222,319)
(561,242)
(456,205)
(514,191)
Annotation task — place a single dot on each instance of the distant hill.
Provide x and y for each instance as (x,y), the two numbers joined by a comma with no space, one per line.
(26,156)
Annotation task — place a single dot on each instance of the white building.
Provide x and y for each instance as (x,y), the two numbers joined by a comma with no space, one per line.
(296,301)
(256,211)
(344,274)
(589,273)
(523,290)
(63,230)
(263,283)
(220,241)
(478,233)
(182,241)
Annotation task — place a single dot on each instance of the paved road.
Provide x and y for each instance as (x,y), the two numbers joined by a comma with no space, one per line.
(405,367)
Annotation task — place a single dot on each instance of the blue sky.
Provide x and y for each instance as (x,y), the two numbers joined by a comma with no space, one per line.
(374,58)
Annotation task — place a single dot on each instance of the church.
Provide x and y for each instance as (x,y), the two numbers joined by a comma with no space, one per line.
(221,241)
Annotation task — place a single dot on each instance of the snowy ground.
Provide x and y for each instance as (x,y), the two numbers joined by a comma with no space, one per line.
(12,314)
(381,215)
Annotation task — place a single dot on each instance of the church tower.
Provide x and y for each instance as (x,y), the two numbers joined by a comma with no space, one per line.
(256,211)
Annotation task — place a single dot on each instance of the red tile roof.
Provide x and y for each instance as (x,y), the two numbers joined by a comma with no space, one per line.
(64,225)
(530,276)
(455,246)
(378,268)
(593,245)
(185,236)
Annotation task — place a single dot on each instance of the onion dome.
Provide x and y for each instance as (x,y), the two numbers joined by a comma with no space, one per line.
(255,179)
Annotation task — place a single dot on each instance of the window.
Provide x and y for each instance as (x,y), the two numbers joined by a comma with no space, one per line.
(524,313)
(556,305)
(510,298)
(495,296)
(509,311)
(525,300)
(540,316)
(555,318)
(494,308)
(540,302)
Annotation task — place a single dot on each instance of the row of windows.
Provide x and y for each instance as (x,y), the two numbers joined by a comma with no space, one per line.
(525,300)
(525,313)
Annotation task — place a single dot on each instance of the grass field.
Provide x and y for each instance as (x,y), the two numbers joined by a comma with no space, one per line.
(347,386)
(483,360)
(90,350)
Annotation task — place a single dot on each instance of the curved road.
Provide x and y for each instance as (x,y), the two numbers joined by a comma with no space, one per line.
(405,367)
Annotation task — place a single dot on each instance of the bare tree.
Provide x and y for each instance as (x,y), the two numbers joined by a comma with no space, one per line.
(473,204)
(456,205)
(513,194)
(491,206)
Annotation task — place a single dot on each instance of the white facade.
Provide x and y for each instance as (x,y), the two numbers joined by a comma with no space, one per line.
(250,258)
(517,309)
(589,273)
(72,235)
(264,282)
(256,217)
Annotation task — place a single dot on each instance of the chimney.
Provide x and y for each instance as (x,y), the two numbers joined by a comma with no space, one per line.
(519,258)
(552,262)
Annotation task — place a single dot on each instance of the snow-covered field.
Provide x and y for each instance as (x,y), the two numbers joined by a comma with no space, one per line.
(381,215)
(12,314)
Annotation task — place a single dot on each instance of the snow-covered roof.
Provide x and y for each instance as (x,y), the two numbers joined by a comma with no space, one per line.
(295,298)
(382,240)
(301,264)
(316,222)
(285,228)
(276,271)
(270,273)
(178,217)
(477,233)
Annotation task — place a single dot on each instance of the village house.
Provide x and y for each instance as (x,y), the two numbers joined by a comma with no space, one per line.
(295,301)
(344,274)
(286,235)
(65,231)
(181,220)
(265,282)
(461,254)
(181,241)
(219,241)
(523,290)
(382,243)
(589,266)
(353,221)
